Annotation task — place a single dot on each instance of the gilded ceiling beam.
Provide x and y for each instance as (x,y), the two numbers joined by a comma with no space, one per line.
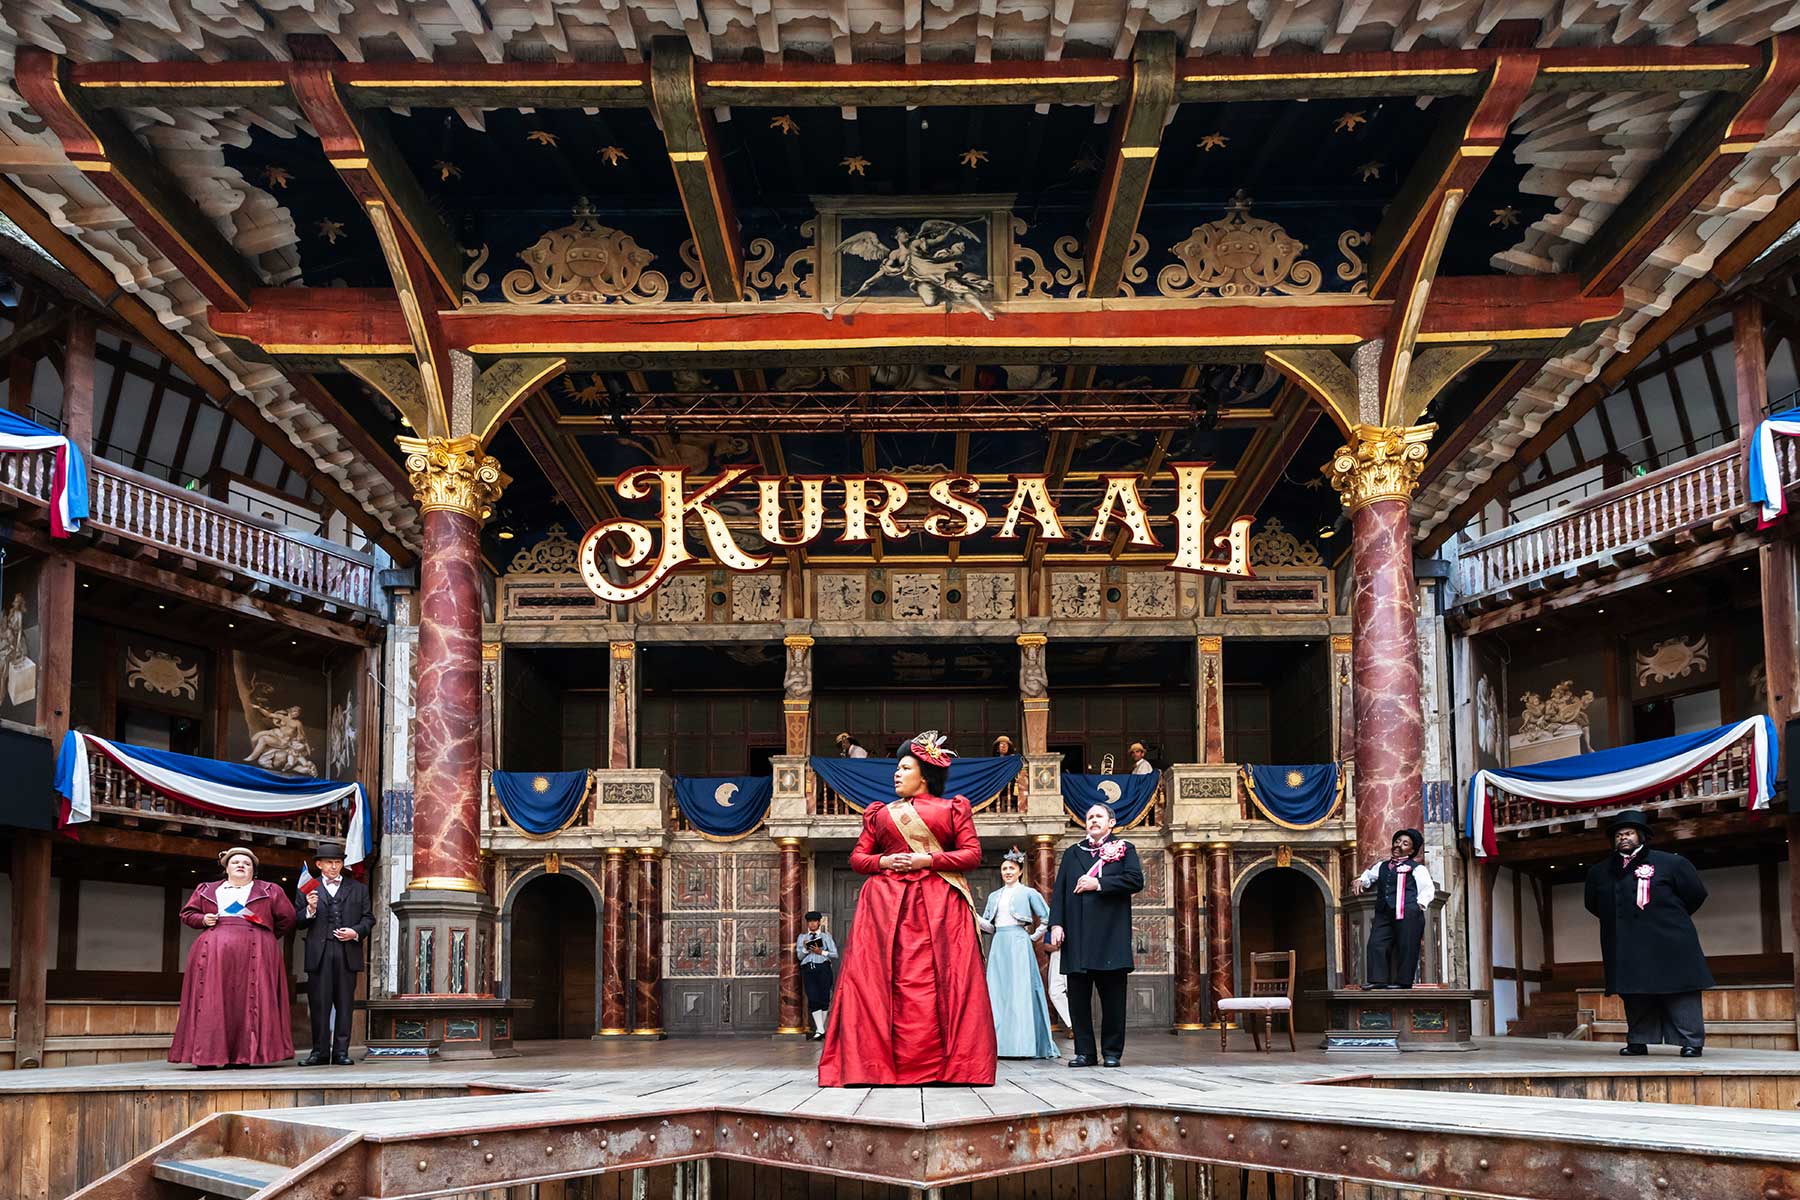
(1137,127)
(1712,145)
(105,150)
(699,171)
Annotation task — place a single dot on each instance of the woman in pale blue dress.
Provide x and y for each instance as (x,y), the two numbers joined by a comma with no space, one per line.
(1017,916)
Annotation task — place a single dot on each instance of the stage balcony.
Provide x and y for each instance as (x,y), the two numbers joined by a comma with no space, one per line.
(137,516)
(1210,805)
(624,808)
(122,800)
(1674,508)
(1721,786)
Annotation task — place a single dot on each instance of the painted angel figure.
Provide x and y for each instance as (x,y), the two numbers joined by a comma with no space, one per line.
(929,261)
(283,745)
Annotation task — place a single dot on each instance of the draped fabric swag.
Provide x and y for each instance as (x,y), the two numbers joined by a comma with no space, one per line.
(864,781)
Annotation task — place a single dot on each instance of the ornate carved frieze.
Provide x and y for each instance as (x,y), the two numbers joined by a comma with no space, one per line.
(1379,463)
(585,262)
(991,595)
(756,597)
(453,474)
(555,555)
(1239,255)
(1206,787)
(1274,546)
(1075,594)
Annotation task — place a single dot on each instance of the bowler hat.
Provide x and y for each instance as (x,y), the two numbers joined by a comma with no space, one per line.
(328,850)
(1633,817)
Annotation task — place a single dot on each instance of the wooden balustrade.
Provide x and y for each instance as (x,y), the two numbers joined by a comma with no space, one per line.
(121,798)
(138,507)
(1688,497)
(1010,801)
(1724,780)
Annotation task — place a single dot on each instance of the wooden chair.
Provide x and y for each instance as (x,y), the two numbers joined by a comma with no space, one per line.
(1271,992)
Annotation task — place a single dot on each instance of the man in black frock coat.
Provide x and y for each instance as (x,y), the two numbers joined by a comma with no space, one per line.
(1651,950)
(337,920)
(1090,921)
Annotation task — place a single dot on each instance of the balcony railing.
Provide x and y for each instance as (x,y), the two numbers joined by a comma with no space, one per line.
(1688,498)
(826,803)
(121,798)
(131,505)
(1724,781)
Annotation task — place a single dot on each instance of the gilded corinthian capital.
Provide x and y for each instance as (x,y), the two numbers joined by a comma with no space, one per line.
(1379,463)
(453,474)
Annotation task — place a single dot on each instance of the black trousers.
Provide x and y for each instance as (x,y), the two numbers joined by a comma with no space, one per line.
(817,979)
(1394,948)
(331,990)
(1111,987)
(1672,1019)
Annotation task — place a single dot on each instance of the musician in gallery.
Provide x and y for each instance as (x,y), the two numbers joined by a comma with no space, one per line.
(234,996)
(816,952)
(1090,922)
(337,921)
(911,1005)
(1403,895)
(1017,917)
(1646,900)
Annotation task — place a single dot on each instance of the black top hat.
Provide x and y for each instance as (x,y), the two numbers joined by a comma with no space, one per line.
(1633,817)
(328,850)
(815,915)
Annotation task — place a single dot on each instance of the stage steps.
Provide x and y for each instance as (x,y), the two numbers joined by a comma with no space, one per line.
(1546,1014)
(225,1175)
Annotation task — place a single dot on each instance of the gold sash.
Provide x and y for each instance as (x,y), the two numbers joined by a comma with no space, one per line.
(919,837)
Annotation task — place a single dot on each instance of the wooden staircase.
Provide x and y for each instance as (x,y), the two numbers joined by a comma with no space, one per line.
(1547,1014)
(241,1156)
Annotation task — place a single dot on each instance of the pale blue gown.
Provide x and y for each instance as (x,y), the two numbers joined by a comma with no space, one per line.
(1015,989)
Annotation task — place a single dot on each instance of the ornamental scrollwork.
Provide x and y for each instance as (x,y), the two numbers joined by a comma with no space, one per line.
(1274,546)
(1239,255)
(585,262)
(1379,463)
(555,555)
(453,474)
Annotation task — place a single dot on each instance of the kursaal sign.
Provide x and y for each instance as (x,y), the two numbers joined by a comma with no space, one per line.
(874,503)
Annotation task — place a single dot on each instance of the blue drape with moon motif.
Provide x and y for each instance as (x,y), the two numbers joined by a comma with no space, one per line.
(1128,796)
(724,806)
(864,781)
(540,802)
(1294,796)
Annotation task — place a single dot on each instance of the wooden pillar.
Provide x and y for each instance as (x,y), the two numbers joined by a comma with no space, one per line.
(1034,693)
(796,699)
(648,1018)
(622,708)
(1750,359)
(613,899)
(1343,704)
(791,1015)
(1187,937)
(1209,705)
(1218,922)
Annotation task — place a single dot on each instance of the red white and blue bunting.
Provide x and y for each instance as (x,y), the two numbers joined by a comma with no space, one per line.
(1765,472)
(229,789)
(68,485)
(1618,776)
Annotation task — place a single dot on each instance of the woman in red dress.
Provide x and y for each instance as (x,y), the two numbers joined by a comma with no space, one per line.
(912,1002)
(234,997)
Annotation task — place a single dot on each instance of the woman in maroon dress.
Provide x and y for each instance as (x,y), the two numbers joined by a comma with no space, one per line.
(234,998)
(912,1002)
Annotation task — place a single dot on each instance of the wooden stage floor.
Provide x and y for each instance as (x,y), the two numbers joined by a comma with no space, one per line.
(1518,1117)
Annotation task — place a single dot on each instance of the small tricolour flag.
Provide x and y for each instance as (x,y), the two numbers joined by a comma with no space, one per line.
(307,882)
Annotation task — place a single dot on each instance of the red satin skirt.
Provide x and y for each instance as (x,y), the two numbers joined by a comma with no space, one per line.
(912,1003)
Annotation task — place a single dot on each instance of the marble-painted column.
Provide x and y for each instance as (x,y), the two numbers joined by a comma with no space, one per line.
(1187,937)
(1218,923)
(1043,863)
(647,1021)
(1210,702)
(1343,697)
(622,705)
(791,1015)
(613,900)
(796,695)
(456,486)
(1034,693)
(1376,474)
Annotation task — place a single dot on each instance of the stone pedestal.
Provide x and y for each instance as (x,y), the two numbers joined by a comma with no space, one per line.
(1358,912)
(446,1007)
(1400,1019)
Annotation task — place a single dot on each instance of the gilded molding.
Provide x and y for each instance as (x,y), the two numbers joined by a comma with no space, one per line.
(1212,643)
(1340,643)
(1379,463)
(453,474)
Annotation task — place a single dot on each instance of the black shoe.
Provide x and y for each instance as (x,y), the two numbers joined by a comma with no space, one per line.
(315,1059)
(342,1060)
(1690,1052)
(1081,1060)
(1110,1060)
(1634,1050)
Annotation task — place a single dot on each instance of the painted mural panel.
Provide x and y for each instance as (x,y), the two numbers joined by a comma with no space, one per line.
(277,716)
(20,646)
(1560,707)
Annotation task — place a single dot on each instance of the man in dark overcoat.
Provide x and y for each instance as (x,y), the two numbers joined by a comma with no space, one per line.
(337,920)
(1645,900)
(1090,921)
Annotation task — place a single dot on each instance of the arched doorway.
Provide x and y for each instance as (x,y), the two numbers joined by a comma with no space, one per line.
(553,955)
(1282,908)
